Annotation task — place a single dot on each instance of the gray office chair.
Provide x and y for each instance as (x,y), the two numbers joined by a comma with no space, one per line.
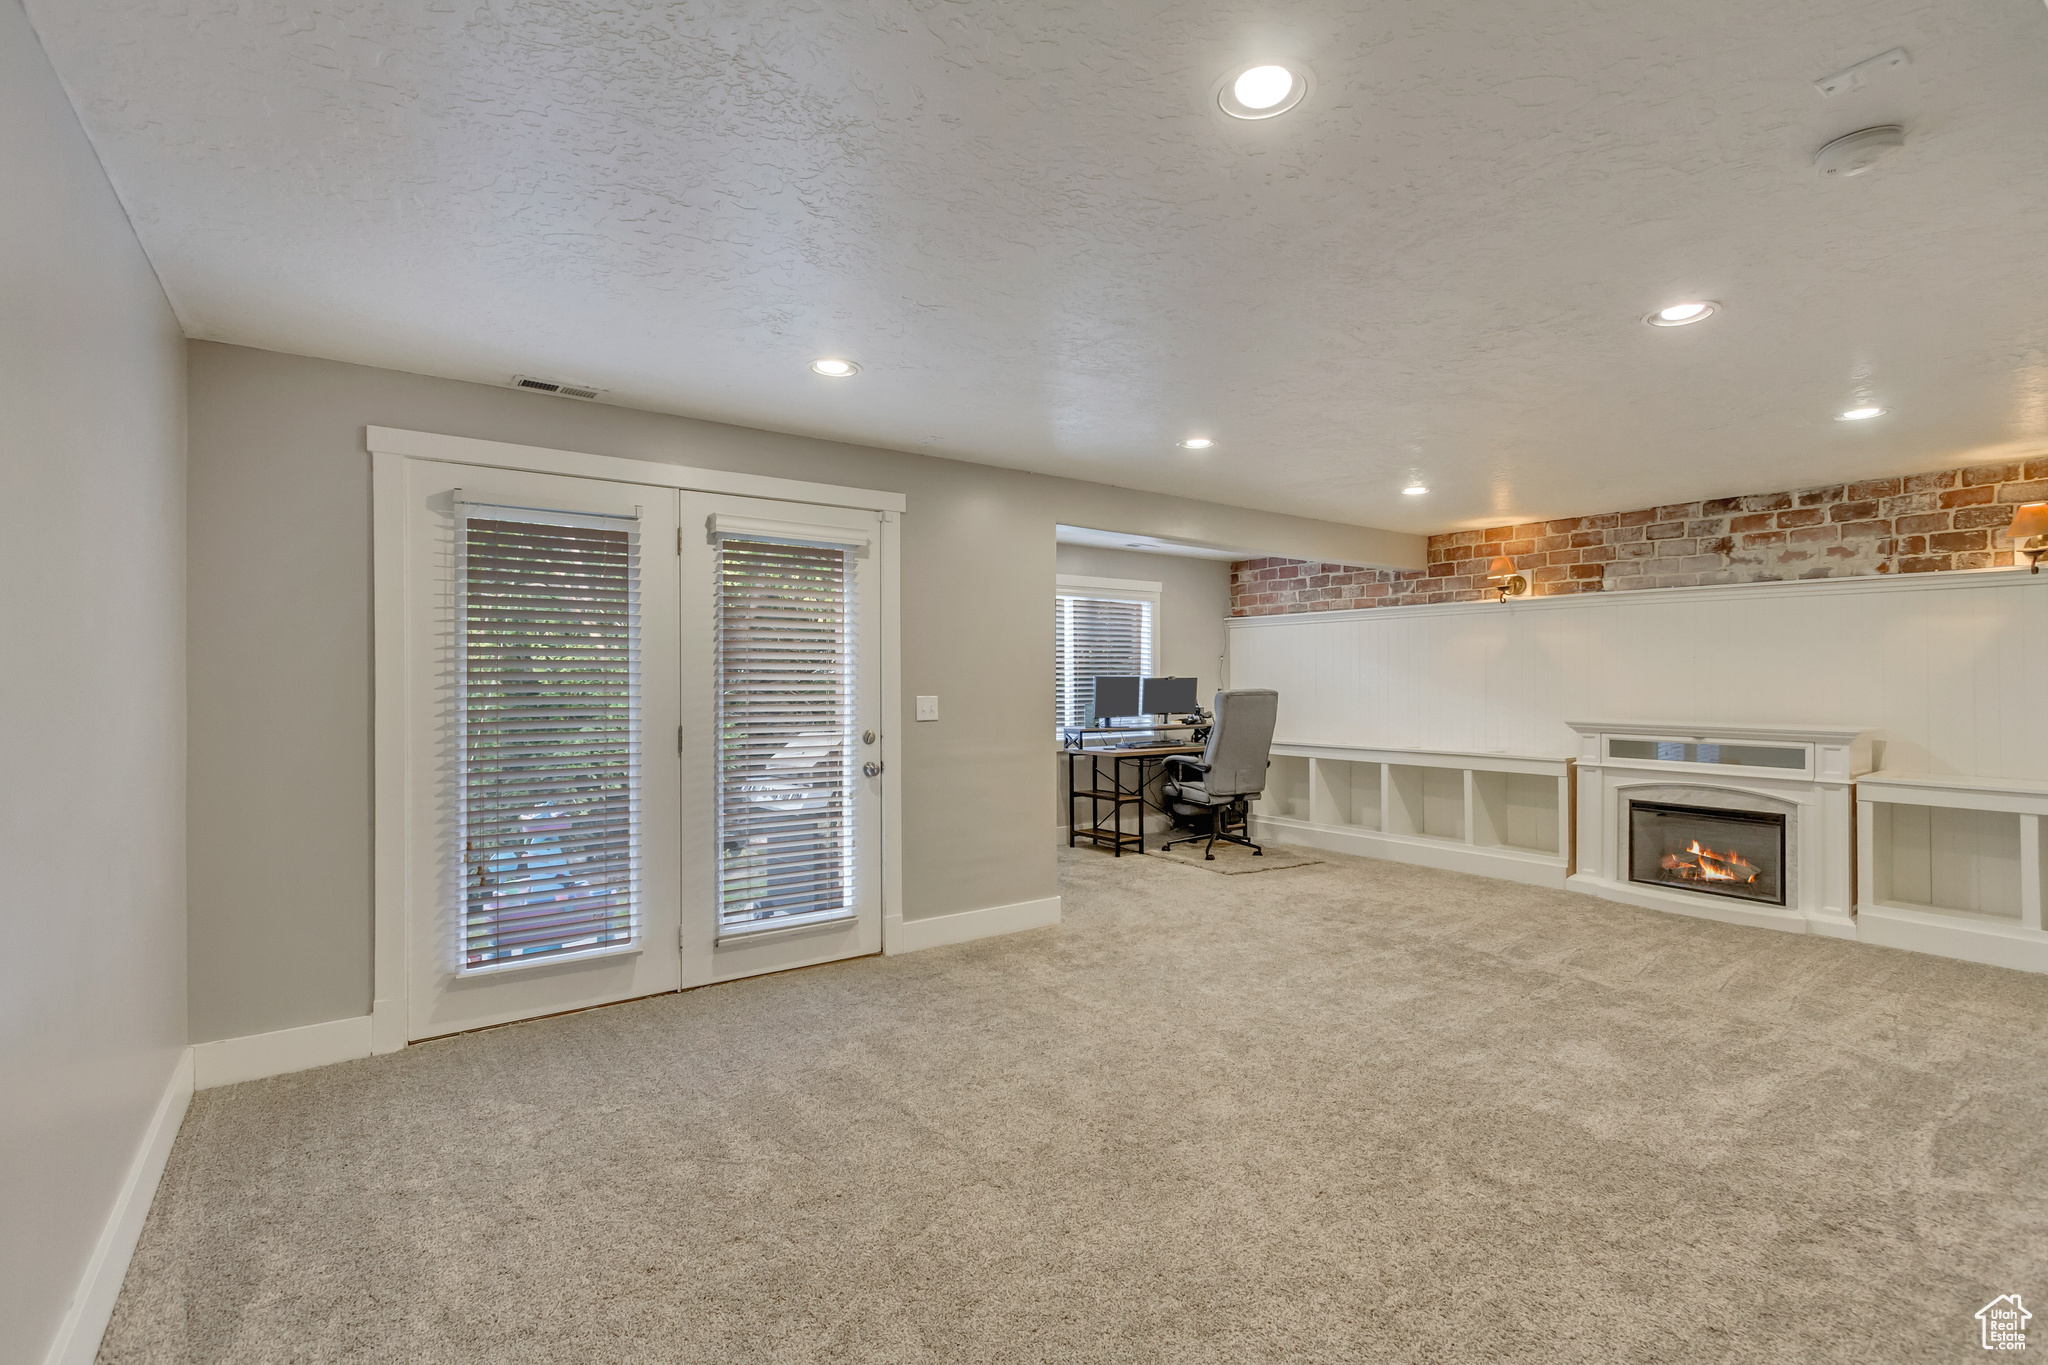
(1220,784)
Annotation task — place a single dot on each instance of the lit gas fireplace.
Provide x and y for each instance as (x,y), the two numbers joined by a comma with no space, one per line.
(1698,864)
(1735,853)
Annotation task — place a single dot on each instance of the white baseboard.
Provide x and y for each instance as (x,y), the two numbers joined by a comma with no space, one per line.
(92,1304)
(273,1054)
(387,1026)
(1831,924)
(1970,939)
(940,930)
(1699,907)
(1447,855)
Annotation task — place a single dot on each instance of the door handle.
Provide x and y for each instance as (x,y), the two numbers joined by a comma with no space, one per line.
(871,769)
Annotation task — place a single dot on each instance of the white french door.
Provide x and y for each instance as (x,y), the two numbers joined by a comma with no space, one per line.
(781,735)
(637,757)
(541,753)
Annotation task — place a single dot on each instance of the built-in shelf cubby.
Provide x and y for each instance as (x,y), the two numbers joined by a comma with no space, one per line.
(1497,814)
(1426,801)
(1941,858)
(1517,810)
(1952,865)
(1345,794)
(1287,787)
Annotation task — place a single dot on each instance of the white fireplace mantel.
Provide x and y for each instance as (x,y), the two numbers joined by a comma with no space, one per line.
(1810,777)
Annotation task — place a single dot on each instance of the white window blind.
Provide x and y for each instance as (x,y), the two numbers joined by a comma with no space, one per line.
(786,713)
(550,736)
(1096,636)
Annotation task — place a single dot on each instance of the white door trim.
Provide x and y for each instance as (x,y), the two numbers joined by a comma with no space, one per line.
(390,625)
(889,546)
(427,445)
(389,449)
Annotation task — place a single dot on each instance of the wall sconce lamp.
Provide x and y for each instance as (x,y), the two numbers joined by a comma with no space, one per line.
(1510,583)
(2029,533)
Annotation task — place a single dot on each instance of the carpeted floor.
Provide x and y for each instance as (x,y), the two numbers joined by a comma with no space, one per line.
(1356,1111)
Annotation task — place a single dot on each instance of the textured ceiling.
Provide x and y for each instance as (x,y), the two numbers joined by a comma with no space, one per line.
(1151,545)
(1048,250)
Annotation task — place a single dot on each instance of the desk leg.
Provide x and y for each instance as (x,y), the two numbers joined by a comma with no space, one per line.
(1071,799)
(1122,788)
(1141,805)
(1094,802)
(1116,813)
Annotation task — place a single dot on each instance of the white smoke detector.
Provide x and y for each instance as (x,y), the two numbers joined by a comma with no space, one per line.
(1854,153)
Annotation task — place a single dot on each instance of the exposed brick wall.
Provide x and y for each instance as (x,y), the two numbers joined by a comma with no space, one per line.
(1921,523)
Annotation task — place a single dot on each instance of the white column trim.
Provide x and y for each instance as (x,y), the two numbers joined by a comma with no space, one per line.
(890,539)
(390,803)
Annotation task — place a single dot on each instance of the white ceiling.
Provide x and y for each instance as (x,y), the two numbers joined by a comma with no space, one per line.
(1151,545)
(1048,251)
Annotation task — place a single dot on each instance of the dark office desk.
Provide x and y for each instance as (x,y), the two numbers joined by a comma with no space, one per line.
(1126,788)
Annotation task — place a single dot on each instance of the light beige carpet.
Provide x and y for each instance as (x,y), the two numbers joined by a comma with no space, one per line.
(1352,1112)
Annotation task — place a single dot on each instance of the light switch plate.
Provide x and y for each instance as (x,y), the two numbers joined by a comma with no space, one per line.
(927,708)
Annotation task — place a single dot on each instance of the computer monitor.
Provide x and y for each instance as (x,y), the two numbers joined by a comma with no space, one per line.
(1166,696)
(1116,697)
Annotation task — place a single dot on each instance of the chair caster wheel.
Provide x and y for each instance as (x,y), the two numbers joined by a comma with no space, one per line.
(1258,853)
(1209,857)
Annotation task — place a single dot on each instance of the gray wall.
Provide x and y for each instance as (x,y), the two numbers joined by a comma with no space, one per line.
(280,640)
(1194,602)
(92,836)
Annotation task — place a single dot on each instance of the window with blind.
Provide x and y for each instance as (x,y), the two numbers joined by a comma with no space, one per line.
(786,712)
(1095,636)
(550,737)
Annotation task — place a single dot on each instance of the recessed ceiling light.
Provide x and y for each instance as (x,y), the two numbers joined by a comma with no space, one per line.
(1415,490)
(835,369)
(1679,314)
(1860,414)
(1262,87)
(1195,443)
(1263,90)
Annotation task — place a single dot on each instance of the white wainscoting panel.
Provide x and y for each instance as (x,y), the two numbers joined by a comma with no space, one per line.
(1949,668)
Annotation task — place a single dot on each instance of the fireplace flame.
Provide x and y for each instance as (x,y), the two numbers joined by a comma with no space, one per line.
(1704,865)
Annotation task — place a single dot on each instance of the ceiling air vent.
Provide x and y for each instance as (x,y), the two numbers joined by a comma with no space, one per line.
(560,388)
